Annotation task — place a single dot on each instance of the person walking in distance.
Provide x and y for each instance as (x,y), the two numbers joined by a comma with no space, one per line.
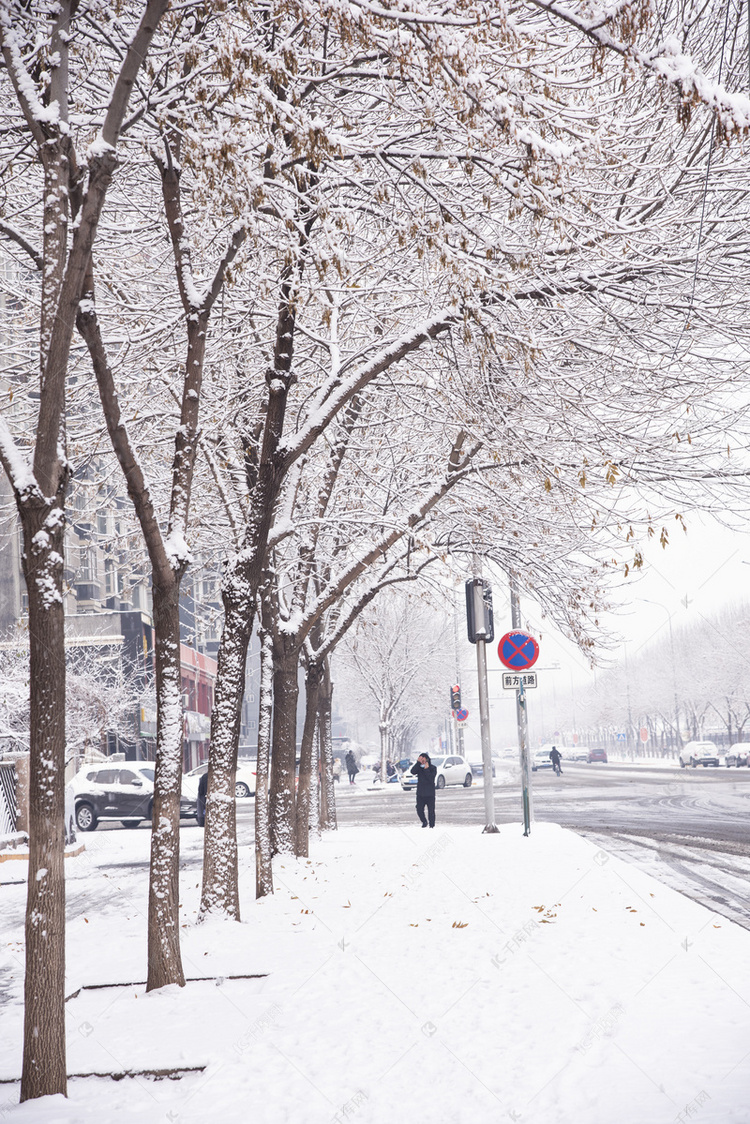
(555,757)
(425,772)
(351,766)
(202,791)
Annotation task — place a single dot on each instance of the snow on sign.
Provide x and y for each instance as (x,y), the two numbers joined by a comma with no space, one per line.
(462,714)
(518,651)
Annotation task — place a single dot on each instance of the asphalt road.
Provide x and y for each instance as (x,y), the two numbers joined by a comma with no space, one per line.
(701,803)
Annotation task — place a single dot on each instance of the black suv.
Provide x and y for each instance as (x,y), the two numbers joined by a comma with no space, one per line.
(121,791)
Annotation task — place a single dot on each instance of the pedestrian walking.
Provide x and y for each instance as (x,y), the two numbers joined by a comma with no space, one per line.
(202,790)
(425,772)
(351,766)
(337,768)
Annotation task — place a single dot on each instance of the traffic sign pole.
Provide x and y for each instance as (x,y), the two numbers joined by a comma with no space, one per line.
(490,827)
(523,749)
(460,731)
(521,720)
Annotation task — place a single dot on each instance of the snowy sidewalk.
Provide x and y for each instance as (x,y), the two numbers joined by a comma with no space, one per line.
(405,974)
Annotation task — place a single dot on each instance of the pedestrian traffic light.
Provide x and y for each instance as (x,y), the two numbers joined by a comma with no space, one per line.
(456,697)
(479,619)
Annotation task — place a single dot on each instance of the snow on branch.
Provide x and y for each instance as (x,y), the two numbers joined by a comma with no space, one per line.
(667,62)
(340,391)
(35,113)
(178,551)
(458,467)
(132,63)
(368,595)
(19,470)
(16,236)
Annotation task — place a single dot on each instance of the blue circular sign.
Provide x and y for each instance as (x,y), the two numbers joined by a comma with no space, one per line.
(518,651)
(462,714)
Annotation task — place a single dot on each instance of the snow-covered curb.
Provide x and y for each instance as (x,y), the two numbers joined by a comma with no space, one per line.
(22,851)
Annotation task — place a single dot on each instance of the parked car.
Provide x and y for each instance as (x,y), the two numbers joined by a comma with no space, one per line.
(244,779)
(574,752)
(70,815)
(121,790)
(699,753)
(477,767)
(597,755)
(450,770)
(738,754)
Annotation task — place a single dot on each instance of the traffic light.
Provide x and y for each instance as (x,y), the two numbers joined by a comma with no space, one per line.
(456,697)
(479,619)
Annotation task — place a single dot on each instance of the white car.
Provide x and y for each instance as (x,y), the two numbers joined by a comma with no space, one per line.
(699,753)
(70,815)
(541,759)
(450,770)
(244,780)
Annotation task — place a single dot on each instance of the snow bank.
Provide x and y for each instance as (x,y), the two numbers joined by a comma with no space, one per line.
(402,974)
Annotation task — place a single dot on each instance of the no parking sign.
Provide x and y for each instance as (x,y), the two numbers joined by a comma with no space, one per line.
(518,651)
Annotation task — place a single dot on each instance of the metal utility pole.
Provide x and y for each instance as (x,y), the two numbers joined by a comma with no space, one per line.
(481,631)
(383,727)
(458,725)
(484,719)
(521,721)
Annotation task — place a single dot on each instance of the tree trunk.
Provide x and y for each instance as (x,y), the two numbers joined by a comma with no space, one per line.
(316,781)
(164,959)
(263,849)
(44,1062)
(240,590)
(220,891)
(40,496)
(284,746)
(304,801)
(327,794)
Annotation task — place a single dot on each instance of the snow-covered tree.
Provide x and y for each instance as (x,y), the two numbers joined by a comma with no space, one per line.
(61,140)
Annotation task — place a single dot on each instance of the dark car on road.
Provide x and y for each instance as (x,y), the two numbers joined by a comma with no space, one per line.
(737,754)
(121,791)
(476,764)
(597,755)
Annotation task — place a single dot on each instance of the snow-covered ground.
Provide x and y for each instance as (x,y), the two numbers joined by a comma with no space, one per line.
(398,975)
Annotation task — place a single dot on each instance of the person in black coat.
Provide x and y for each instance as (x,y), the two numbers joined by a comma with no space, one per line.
(555,757)
(202,790)
(351,766)
(425,772)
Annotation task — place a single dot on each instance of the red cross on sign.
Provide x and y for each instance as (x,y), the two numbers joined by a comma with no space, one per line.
(518,651)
